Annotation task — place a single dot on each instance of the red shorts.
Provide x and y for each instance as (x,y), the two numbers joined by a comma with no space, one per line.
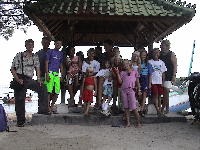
(87,95)
(157,89)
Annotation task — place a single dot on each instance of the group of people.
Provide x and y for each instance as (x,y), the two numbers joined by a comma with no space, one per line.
(106,76)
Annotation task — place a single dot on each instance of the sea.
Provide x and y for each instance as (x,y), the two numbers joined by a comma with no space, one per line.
(32,106)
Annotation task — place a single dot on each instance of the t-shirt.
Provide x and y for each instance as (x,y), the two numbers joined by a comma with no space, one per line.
(94,64)
(42,56)
(107,82)
(103,73)
(55,58)
(146,69)
(128,81)
(158,68)
(29,64)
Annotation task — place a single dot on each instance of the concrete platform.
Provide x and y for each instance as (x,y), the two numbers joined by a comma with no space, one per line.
(98,119)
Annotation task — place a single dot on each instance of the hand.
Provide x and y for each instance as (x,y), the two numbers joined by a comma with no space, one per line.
(149,86)
(95,94)
(174,79)
(20,81)
(61,79)
(139,92)
(47,78)
(116,69)
(39,81)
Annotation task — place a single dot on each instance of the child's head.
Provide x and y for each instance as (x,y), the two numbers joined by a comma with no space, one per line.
(89,71)
(116,51)
(135,57)
(156,53)
(126,64)
(58,44)
(117,61)
(91,53)
(143,55)
(107,64)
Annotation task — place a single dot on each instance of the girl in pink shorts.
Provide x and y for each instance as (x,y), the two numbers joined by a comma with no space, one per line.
(129,80)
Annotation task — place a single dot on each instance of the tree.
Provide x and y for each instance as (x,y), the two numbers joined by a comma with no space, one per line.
(12,17)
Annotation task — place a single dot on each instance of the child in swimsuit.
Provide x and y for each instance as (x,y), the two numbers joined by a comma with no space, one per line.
(86,92)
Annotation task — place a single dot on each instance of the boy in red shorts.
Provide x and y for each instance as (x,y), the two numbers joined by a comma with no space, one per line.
(158,76)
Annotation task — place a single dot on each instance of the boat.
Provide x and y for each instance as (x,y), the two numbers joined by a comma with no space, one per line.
(11,100)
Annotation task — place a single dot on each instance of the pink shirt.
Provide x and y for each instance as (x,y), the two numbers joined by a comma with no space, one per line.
(128,81)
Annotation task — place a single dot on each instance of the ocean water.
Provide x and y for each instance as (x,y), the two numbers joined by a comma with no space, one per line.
(32,107)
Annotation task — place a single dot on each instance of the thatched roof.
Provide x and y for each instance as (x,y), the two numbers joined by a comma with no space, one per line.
(126,22)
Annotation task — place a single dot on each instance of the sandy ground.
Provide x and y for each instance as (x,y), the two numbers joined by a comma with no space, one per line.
(165,136)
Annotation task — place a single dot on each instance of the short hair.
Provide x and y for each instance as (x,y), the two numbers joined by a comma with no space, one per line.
(155,49)
(91,50)
(29,41)
(56,40)
(46,38)
(136,53)
(109,42)
(166,42)
(89,69)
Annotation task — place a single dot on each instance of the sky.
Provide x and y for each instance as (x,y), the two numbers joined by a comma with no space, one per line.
(181,43)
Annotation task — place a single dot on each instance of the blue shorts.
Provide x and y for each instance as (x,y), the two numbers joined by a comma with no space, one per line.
(108,90)
(144,83)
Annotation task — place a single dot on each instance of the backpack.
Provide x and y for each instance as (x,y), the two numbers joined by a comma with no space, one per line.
(3,119)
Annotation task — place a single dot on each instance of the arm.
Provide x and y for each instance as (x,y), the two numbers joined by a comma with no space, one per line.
(150,81)
(47,70)
(15,64)
(174,62)
(118,76)
(95,86)
(37,68)
(82,86)
(62,72)
(163,78)
(15,76)
(137,83)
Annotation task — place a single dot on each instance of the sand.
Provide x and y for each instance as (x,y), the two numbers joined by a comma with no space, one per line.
(164,136)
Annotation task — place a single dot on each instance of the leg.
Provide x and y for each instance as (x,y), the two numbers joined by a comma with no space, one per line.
(63,93)
(144,95)
(127,115)
(115,92)
(20,106)
(42,94)
(137,116)
(132,106)
(165,100)
(119,99)
(71,93)
(54,99)
(125,102)
(99,91)
(87,108)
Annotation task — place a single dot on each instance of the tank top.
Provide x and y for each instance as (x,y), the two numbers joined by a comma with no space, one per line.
(89,81)
(168,63)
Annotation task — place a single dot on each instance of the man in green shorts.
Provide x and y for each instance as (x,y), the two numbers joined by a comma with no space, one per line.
(53,64)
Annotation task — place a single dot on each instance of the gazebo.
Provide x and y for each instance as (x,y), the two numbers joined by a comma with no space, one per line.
(134,23)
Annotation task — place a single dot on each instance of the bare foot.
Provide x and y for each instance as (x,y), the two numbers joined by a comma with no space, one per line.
(123,117)
(138,125)
(128,125)
(86,114)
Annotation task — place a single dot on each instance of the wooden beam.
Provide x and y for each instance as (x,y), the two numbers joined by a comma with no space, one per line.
(109,18)
(40,25)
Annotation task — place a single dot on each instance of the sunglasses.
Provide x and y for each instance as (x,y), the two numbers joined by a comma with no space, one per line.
(128,73)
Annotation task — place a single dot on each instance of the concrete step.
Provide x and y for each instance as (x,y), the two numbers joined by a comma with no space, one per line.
(99,119)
